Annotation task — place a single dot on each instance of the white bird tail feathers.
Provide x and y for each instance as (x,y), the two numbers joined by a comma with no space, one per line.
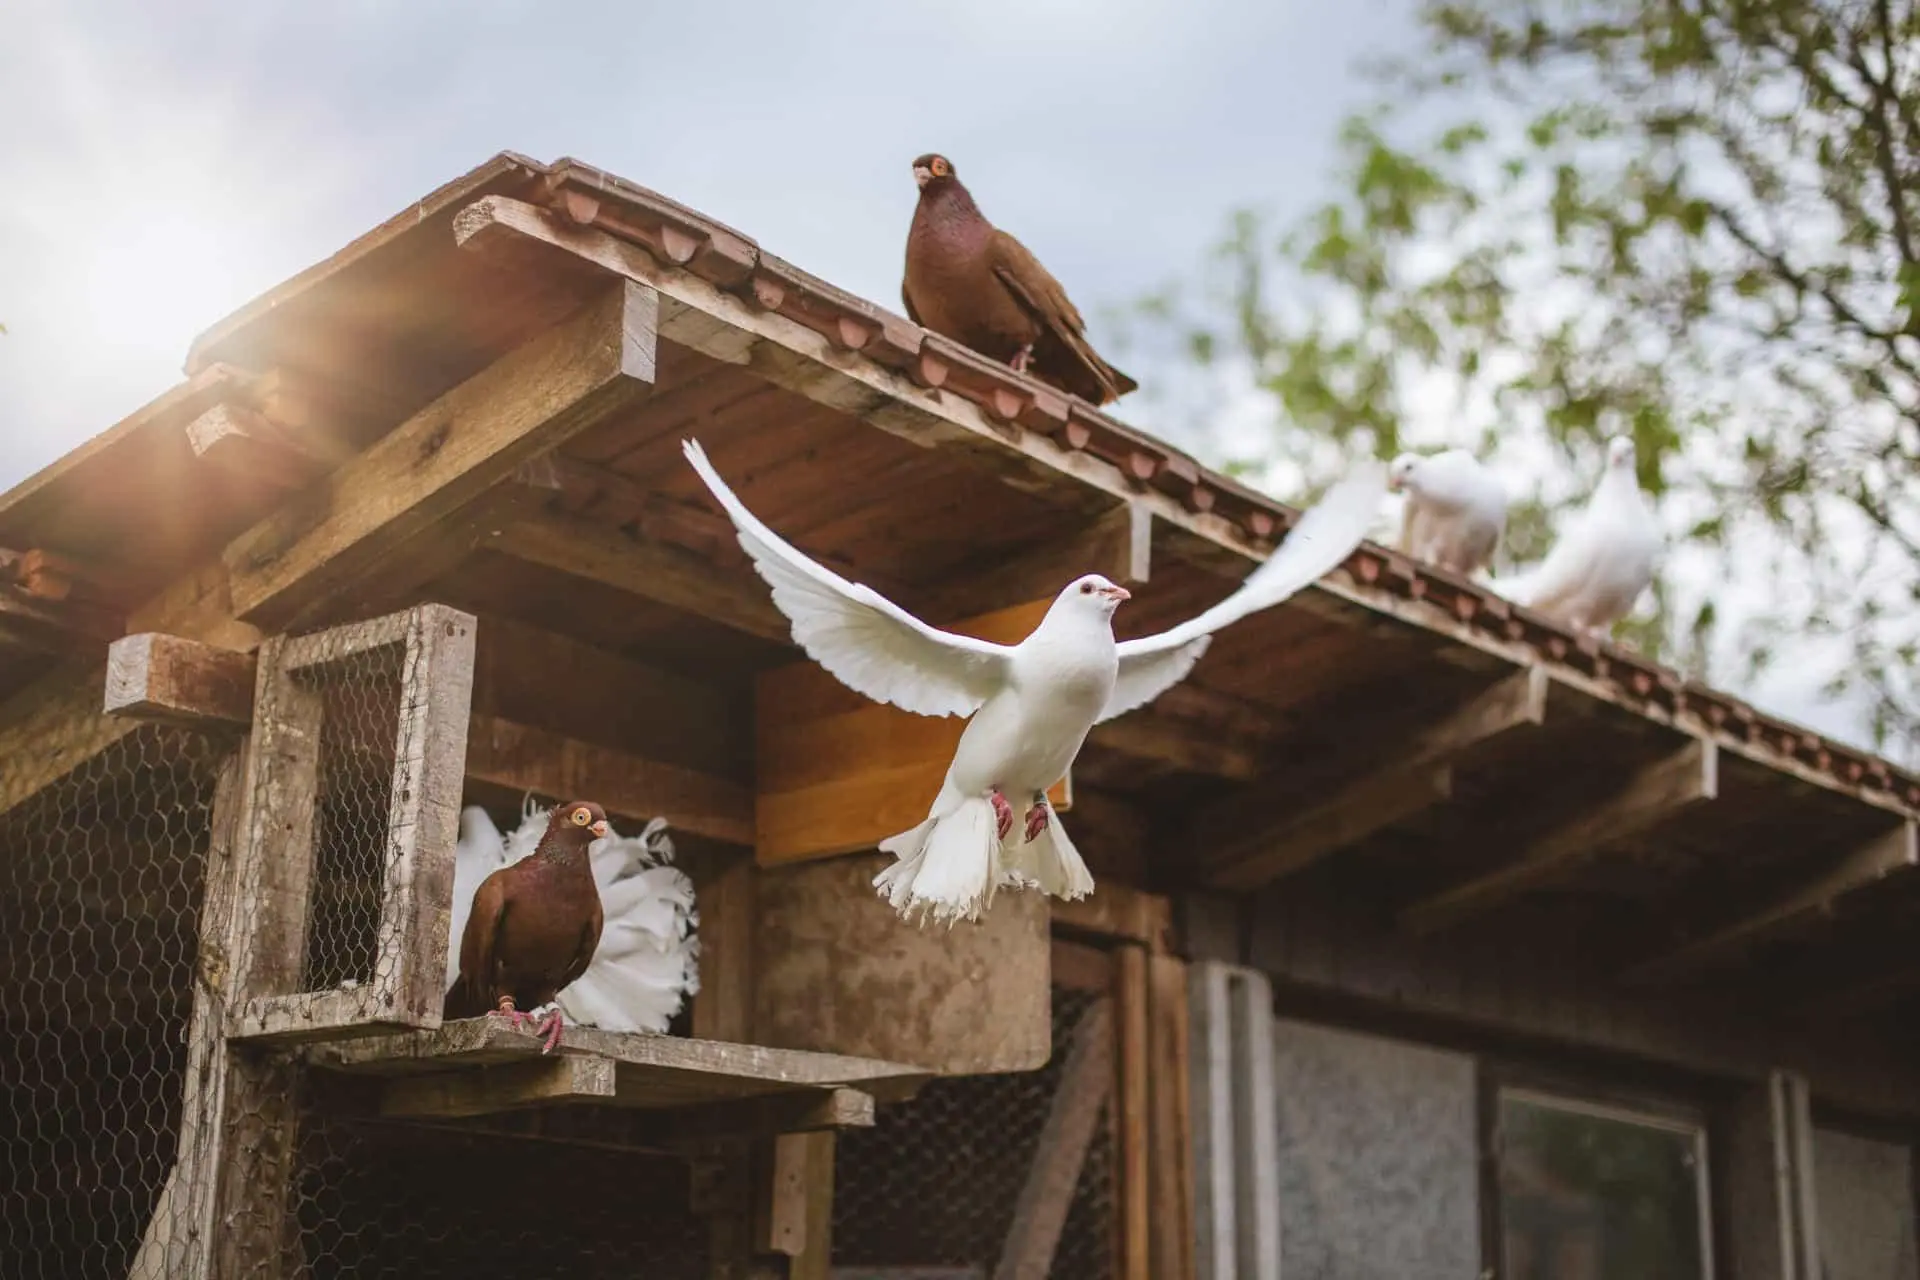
(949,867)
(648,960)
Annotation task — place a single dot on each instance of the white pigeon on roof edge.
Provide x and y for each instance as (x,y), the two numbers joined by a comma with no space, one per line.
(1456,509)
(1032,704)
(1603,559)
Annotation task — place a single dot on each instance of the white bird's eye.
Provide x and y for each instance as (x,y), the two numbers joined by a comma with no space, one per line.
(1086,588)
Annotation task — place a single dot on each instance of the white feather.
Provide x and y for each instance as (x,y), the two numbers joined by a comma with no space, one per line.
(1456,510)
(1604,558)
(1031,704)
(647,962)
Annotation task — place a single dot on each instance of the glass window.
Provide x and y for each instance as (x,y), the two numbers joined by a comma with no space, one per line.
(1592,1193)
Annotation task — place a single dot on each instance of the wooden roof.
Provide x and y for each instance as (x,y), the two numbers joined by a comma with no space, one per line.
(1398,733)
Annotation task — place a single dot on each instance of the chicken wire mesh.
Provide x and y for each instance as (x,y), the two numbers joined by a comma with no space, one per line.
(935,1182)
(373,1198)
(100,891)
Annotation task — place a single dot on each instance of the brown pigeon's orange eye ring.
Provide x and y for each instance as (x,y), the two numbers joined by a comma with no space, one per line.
(581,817)
(939,167)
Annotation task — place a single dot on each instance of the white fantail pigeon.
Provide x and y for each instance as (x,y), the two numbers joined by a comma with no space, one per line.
(1456,509)
(648,959)
(1603,559)
(1031,704)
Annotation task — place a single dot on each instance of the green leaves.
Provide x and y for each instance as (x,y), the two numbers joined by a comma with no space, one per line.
(1691,222)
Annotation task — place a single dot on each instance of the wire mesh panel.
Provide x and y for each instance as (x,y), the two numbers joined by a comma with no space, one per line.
(375,1198)
(347,864)
(938,1181)
(100,888)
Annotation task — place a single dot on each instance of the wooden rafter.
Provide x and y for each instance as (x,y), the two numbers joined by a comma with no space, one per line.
(1254,838)
(247,445)
(177,681)
(1654,795)
(1891,853)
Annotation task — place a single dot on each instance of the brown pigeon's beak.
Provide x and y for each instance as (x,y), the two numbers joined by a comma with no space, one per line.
(599,829)
(1116,594)
(922,175)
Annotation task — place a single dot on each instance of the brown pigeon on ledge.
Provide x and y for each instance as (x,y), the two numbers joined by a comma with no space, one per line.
(969,281)
(533,927)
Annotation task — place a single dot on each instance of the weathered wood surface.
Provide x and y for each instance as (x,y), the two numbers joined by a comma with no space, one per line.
(1040,1212)
(1170,1124)
(1255,837)
(250,447)
(838,773)
(509,1086)
(1772,1219)
(836,970)
(681,1130)
(530,759)
(723,1008)
(1893,853)
(1118,911)
(1654,795)
(172,680)
(673,1069)
(51,728)
(1133,1116)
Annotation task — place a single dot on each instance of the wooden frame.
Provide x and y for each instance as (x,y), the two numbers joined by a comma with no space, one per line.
(277,860)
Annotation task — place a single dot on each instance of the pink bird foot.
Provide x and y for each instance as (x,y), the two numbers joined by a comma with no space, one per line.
(1019,362)
(1002,811)
(550,1026)
(1036,820)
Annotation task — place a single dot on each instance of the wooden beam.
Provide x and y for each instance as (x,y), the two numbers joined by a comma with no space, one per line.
(553,386)
(525,758)
(170,680)
(1887,854)
(250,448)
(1133,1114)
(1651,797)
(1040,1212)
(656,1128)
(1170,1131)
(654,570)
(1118,543)
(511,1087)
(51,728)
(1255,837)
(1119,912)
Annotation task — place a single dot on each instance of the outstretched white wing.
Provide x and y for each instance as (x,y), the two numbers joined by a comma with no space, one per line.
(871,644)
(1325,537)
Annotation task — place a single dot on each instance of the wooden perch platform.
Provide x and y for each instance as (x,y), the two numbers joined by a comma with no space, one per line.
(481,1066)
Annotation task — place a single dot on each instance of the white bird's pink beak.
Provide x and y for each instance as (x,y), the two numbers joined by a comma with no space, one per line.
(1116,593)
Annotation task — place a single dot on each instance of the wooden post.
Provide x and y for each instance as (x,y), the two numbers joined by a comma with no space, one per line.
(1170,1128)
(723,1009)
(1130,1119)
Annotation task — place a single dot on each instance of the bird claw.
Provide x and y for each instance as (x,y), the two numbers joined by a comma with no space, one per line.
(1002,812)
(1036,821)
(549,1026)
(515,1018)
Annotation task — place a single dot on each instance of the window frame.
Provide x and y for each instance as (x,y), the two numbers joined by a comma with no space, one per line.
(1583,1096)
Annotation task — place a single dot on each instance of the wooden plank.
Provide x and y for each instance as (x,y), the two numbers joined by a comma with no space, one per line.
(1259,835)
(1888,854)
(1655,794)
(525,758)
(53,727)
(1363,809)
(1118,911)
(1769,1179)
(1170,1131)
(677,1069)
(816,1153)
(510,1087)
(798,1221)
(1133,1115)
(250,448)
(640,1126)
(423,815)
(172,680)
(723,1009)
(555,385)
(1040,1212)
(653,570)
(1117,543)
(837,773)
(837,970)
(1078,967)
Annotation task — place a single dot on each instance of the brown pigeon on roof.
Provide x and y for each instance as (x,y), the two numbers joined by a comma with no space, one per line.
(969,281)
(533,927)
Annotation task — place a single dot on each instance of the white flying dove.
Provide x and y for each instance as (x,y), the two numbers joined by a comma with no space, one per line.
(1603,559)
(1031,704)
(1456,509)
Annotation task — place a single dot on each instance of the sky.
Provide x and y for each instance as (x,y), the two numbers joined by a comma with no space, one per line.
(164,163)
